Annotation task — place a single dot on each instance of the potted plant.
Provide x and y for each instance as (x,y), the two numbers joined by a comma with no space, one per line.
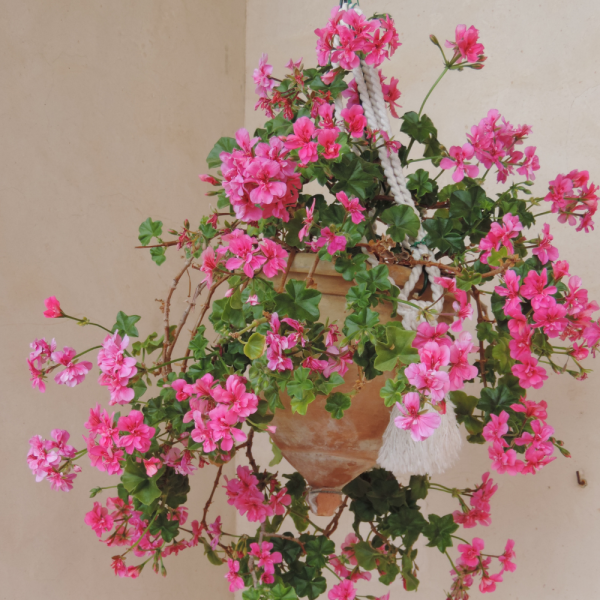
(334,323)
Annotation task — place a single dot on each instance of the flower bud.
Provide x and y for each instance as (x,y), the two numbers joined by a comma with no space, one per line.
(434,40)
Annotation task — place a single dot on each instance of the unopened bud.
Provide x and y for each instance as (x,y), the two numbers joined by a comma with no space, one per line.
(434,40)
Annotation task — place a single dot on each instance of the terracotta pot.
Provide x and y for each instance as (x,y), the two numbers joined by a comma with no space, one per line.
(327,452)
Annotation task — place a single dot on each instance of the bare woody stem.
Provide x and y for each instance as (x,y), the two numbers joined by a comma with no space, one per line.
(167,309)
(333,524)
(309,278)
(287,270)
(163,245)
(210,498)
(205,308)
(184,317)
(480,319)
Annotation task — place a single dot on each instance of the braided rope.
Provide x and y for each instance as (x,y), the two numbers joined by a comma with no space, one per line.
(398,452)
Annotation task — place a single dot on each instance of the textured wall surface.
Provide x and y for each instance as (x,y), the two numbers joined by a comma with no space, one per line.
(541,71)
(107,113)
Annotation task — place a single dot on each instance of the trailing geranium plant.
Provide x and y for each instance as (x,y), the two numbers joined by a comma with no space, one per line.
(531,315)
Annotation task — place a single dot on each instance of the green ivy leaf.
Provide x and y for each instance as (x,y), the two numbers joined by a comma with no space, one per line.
(300,384)
(397,348)
(255,346)
(419,487)
(401,221)
(497,257)
(464,405)
(441,235)
(225,144)
(366,555)
(199,343)
(298,302)
(337,403)
(439,530)
(360,322)
(419,182)
(391,392)
(158,255)
(126,324)
(318,551)
(281,592)
(277,456)
(349,265)
(419,129)
(148,230)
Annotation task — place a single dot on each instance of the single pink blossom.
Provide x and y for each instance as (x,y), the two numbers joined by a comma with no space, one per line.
(471,553)
(465,44)
(421,425)
(139,435)
(457,162)
(99,519)
(53,310)
(333,242)
(355,120)
(352,206)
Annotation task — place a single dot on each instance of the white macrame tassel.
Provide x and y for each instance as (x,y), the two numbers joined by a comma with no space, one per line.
(399,453)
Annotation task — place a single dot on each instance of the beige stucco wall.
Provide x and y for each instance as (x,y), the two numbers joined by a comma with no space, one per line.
(542,71)
(107,112)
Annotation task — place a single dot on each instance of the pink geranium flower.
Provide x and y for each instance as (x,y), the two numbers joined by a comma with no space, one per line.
(545,251)
(353,207)
(99,519)
(355,120)
(465,44)
(470,553)
(139,435)
(457,162)
(74,372)
(276,257)
(421,425)
(262,77)
(344,590)
(53,310)
(302,138)
(327,138)
(331,240)
(235,581)
(530,374)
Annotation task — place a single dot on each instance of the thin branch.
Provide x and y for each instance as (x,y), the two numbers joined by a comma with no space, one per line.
(309,278)
(249,452)
(333,524)
(287,270)
(163,245)
(210,498)
(199,288)
(480,319)
(167,309)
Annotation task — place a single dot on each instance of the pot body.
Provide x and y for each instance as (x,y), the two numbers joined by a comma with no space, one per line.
(328,452)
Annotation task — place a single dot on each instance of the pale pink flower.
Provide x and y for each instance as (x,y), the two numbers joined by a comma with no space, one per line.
(74,372)
(41,351)
(488,582)
(507,556)
(262,79)
(460,369)
(420,425)
(37,377)
(431,333)
(210,261)
(433,384)
(53,310)
(530,164)
(339,360)
(152,466)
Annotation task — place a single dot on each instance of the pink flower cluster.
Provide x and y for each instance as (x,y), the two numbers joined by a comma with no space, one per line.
(265,560)
(259,179)
(574,198)
(347,557)
(472,562)
(74,372)
(538,448)
(246,253)
(493,144)
(216,411)
(40,354)
(461,303)
(479,513)
(262,77)
(500,236)
(126,526)
(243,493)
(349,36)
(117,369)
(103,441)
(466,46)
(570,319)
(45,457)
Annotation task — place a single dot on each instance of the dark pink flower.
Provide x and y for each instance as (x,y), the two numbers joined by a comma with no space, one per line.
(355,120)
(53,310)
(99,519)
(333,242)
(327,138)
(457,162)
(139,435)
(304,132)
(353,207)
(465,44)
(276,257)
(235,581)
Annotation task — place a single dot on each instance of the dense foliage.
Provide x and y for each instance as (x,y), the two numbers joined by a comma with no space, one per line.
(205,404)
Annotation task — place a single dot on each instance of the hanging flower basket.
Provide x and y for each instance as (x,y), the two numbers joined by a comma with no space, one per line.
(334,323)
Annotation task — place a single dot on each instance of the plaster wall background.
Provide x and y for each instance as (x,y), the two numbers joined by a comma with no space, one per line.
(107,113)
(542,70)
